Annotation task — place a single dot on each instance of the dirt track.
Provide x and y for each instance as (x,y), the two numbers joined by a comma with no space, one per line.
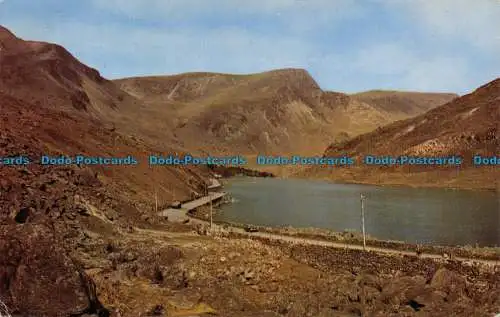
(338,245)
(359,247)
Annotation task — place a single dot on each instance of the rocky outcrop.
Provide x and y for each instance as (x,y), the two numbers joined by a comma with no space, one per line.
(37,278)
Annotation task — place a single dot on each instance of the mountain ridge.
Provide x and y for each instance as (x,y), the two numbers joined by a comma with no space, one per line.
(74,110)
(466,126)
(277,111)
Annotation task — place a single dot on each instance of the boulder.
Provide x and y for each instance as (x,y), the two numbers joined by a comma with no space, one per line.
(37,278)
(401,290)
(449,282)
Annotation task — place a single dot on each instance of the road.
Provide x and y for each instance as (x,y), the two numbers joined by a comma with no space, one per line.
(182,215)
(337,245)
(191,205)
(202,201)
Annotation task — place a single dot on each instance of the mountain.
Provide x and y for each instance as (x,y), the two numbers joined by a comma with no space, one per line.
(404,102)
(274,112)
(52,102)
(466,126)
(51,215)
(47,75)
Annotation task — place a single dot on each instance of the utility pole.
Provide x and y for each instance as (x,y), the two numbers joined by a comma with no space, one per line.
(156,199)
(155,186)
(363,220)
(211,211)
(210,201)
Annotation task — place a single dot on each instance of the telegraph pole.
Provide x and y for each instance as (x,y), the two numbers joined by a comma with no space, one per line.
(155,186)
(363,220)
(211,221)
(207,194)
(156,199)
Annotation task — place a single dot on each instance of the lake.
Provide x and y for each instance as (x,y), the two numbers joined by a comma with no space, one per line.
(413,215)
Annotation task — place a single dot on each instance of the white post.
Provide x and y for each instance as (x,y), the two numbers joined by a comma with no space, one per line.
(363,220)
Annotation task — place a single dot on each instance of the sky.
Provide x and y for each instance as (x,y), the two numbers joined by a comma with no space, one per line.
(346,45)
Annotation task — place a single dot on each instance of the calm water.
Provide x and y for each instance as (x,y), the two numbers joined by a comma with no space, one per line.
(435,216)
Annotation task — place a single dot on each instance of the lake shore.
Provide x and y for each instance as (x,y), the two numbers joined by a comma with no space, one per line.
(356,238)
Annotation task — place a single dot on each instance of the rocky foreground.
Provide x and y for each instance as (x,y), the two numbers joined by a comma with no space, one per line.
(177,270)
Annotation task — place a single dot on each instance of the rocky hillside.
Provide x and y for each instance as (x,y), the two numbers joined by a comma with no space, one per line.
(466,126)
(71,109)
(47,75)
(280,111)
(51,104)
